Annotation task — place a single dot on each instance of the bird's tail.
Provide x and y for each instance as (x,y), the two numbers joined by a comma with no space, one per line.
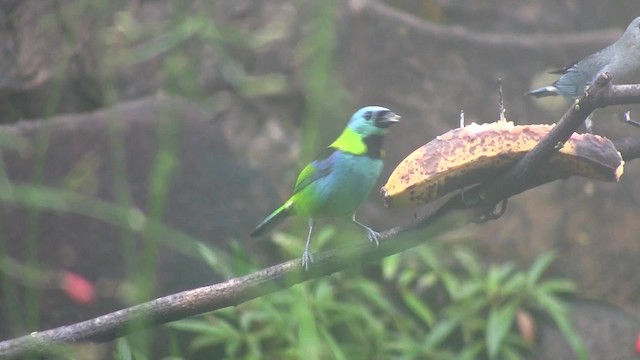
(274,219)
(544,91)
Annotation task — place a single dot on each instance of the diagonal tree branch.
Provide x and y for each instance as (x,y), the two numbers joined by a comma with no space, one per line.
(600,94)
(462,36)
(458,210)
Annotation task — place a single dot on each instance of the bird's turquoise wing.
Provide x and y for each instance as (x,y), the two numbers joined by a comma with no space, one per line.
(315,170)
(349,141)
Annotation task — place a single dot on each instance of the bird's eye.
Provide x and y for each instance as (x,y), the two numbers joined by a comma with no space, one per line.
(367,115)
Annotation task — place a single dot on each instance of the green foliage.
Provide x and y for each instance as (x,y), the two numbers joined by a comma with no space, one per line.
(324,94)
(191,42)
(427,303)
(433,302)
(322,319)
(478,319)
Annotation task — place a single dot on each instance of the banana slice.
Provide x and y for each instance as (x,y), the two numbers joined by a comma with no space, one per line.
(477,154)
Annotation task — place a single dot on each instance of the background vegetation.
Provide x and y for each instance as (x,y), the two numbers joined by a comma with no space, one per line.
(107,209)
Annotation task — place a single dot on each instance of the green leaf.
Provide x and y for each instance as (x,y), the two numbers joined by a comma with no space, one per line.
(213,260)
(539,267)
(406,277)
(514,340)
(427,280)
(418,307)
(569,333)
(292,245)
(323,293)
(475,306)
(218,329)
(515,285)
(560,315)
(373,293)
(390,266)
(500,321)
(557,286)
(123,350)
(509,353)
(440,332)
(254,348)
(451,283)
(496,276)
(247,318)
(232,347)
(468,260)
(468,290)
(471,352)
(302,312)
(330,342)
(191,325)
(203,342)
(430,256)
(323,235)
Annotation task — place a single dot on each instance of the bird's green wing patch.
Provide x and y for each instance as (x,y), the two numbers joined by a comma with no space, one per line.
(315,170)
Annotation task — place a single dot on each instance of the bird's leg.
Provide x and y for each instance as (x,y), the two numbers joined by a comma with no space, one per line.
(588,123)
(306,255)
(373,236)
(626,117)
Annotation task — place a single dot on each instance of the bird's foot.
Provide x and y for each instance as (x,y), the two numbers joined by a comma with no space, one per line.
(626,117)
(588,124)
(373,236)
(307,259)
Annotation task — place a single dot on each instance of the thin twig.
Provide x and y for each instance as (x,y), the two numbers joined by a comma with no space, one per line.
(501,109)
(462,36)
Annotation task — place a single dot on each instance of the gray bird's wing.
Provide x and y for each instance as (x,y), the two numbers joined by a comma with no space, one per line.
(576,77)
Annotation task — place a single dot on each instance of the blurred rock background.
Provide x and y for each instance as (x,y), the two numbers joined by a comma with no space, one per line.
(251,90)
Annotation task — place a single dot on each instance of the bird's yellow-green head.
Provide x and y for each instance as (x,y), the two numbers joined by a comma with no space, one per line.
(372,120)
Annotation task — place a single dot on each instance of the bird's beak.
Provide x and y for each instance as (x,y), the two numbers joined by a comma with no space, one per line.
(387,120)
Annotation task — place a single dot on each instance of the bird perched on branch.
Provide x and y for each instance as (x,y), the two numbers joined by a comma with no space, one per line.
(621,59)
(341,178)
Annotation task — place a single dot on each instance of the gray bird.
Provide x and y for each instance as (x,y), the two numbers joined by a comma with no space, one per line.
(621,59)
